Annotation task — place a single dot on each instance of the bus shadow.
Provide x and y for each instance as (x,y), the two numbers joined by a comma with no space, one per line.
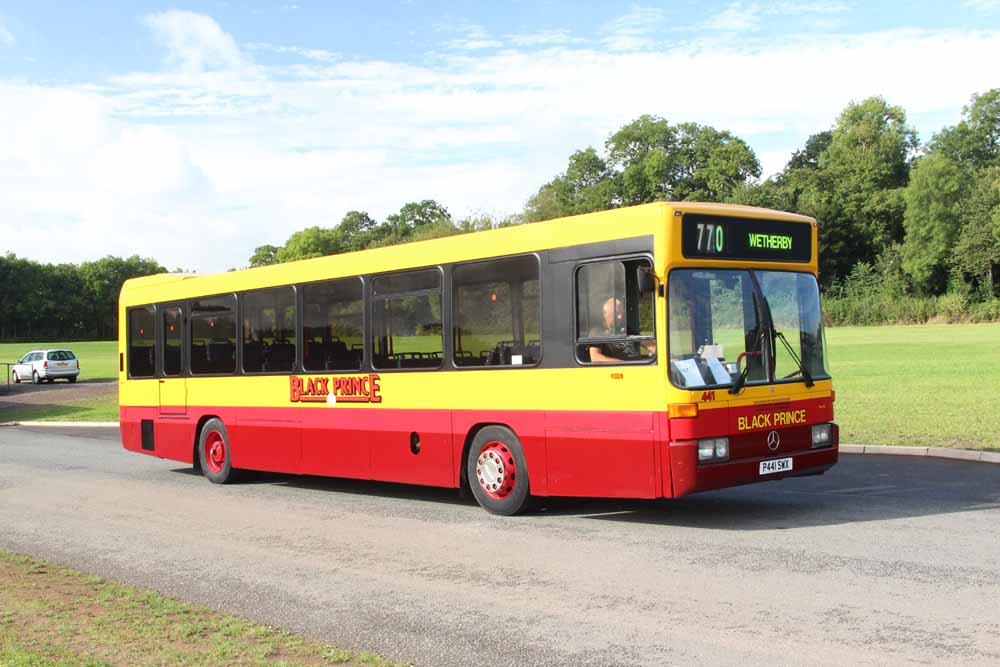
(859,489)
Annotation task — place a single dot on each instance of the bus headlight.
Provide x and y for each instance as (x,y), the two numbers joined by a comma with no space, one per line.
(822,435)
(713,449)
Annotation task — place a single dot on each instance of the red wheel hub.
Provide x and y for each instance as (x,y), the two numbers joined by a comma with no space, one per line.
(215,451)
(496,470)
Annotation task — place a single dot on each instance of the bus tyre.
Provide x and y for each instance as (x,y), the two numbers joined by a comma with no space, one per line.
(497,472)
(214,453)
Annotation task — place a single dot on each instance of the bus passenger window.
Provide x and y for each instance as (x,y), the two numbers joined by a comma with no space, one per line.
(269,330)
(496,311)
(406,320)
(615,305)
(172,338)
(141,343)
(333,323)
(213,335)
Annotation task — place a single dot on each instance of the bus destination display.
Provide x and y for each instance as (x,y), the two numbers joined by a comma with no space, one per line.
(717,237)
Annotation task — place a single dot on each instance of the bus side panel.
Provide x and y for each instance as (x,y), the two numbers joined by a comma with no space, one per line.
(528,426)
(266,439)
(175,438)
(601,454)
(411,446)
(172,438)
(337,442)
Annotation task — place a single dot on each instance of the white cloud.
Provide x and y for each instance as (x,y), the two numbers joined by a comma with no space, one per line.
(6,36)
(744,17)
(472,38)
(544,38)
(636,30)
(736,17)
(982,5)
(198,164)
(194,42)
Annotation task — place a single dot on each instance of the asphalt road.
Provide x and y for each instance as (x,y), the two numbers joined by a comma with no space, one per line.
(882,560)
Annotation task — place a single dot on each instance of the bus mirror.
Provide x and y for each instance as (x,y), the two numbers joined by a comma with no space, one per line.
(646,280)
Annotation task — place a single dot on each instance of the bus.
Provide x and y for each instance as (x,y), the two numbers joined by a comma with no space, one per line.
(651,351)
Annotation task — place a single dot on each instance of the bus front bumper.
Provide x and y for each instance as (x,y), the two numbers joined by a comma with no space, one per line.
(688,476)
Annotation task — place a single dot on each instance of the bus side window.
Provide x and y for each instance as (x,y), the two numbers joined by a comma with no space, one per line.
(406,320)
(332,325)
(141,342)
(614,315)
(213,335)
(496,313)
(269,330)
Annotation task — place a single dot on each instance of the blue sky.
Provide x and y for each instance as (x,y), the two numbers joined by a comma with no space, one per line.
(194,132)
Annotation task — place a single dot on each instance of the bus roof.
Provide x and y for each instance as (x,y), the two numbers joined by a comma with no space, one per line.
(619,223)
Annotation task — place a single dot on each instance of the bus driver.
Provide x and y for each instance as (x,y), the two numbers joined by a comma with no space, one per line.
(613,324)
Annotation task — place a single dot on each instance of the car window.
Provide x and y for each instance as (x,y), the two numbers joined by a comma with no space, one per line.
(55,356)
(68,355)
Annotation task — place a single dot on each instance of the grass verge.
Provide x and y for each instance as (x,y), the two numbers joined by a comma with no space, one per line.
(54,617)
(102,408)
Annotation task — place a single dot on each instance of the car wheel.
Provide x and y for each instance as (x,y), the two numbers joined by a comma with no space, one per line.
(34,378)
(214,453)
(497,471)
(72,379)
(17,378)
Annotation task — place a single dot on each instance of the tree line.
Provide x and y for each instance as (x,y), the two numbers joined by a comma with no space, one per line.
(49,302)
(909,230)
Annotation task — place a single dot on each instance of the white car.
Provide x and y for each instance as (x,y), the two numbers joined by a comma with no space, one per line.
(46,365)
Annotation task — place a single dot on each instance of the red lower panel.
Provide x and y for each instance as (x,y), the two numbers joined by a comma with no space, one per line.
(607,454)
(265,444)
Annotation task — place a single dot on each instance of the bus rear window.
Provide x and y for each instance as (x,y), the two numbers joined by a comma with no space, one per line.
(141,343)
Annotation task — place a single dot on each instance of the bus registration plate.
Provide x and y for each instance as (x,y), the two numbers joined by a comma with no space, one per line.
(775,465)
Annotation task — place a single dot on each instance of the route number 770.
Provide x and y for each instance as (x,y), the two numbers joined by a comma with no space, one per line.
(711,237)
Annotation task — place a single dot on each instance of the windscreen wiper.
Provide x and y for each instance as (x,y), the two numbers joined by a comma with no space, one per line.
(745,373)
(805,374)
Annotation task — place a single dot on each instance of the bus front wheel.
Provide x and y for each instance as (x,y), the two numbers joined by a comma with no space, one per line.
(214,452)
(497,471)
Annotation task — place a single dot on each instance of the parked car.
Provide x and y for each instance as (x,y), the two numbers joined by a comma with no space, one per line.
(46,365)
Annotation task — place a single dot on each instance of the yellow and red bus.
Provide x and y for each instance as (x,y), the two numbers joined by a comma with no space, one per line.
(643,352)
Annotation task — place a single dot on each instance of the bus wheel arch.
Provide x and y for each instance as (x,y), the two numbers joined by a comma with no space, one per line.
(496,469)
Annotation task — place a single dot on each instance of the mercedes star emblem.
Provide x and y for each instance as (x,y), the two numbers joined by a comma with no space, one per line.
(773,440)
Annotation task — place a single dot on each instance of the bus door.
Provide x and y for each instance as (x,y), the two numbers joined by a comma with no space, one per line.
(173,385)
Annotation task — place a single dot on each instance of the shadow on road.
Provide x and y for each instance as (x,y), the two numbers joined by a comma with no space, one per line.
(858,489)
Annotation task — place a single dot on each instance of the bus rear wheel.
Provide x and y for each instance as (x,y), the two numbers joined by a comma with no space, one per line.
(214,453)
(497,471)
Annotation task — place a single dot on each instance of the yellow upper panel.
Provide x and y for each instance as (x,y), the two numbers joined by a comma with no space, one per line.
(645,220)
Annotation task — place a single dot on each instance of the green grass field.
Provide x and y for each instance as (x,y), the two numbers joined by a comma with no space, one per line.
(98,360)
(918,385)
(907,385)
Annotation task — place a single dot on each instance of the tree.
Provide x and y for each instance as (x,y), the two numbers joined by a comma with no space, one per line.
(867,165)
(975,140)
(648,160)
(976,253)
(264,255)
(660,161)
(310,242)
(934,200)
